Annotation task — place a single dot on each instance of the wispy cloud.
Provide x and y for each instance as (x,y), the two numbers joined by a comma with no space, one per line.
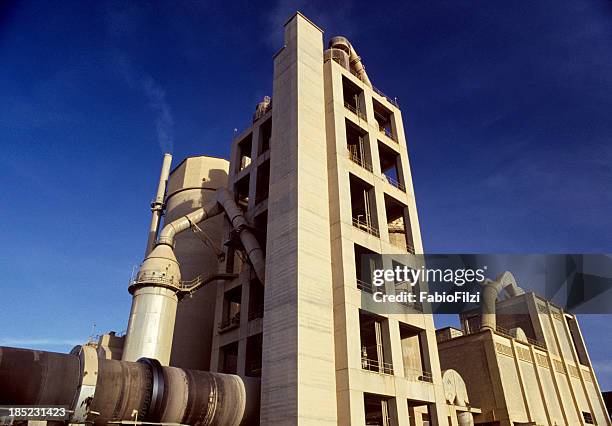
(122,23)
(155,96)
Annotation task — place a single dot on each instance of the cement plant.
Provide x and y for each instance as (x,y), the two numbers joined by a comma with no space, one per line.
(251,305)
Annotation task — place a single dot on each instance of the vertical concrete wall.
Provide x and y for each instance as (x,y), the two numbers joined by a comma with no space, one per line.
(298,382)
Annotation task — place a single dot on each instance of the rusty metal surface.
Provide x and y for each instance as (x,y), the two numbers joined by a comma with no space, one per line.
(37,377)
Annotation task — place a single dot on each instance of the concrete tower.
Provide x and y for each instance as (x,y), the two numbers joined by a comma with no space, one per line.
(323,177)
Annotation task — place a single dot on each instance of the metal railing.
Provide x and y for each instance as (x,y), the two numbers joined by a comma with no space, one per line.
(387,132)
(394,182)
(376,366)
(229,323)
(369,287)
(415,375)
(354,110)
(357,160)
(365,227)
(256,312)
(391,101)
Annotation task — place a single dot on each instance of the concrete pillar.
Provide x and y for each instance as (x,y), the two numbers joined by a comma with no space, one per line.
(298,377)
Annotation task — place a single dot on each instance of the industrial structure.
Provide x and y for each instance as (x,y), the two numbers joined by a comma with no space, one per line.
(253,303)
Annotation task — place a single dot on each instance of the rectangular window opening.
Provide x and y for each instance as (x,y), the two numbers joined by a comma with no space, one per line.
(375,349)
(358,146)
(354,99)
(244,152)
(363,206)
(390,166)
(398,225)
(231,309)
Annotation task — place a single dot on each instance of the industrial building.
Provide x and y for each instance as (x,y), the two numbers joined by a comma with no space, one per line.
(254,303)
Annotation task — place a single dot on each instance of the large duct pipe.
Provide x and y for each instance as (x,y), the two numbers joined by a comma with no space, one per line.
(99,391)
(354,60)
(222,201)
(157,206)
(152,317)
(490,294)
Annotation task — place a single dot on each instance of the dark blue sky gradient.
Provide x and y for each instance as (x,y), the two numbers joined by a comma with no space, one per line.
(507,109)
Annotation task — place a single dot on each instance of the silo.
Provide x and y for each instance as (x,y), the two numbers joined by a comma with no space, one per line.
(191,184)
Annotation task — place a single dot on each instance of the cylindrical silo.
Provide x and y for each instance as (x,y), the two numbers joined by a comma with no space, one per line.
(190,186)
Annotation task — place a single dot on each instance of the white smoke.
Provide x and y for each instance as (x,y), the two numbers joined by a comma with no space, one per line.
(164,122)
(156,101)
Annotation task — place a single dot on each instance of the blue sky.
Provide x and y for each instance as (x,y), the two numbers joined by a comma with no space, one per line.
(506,108)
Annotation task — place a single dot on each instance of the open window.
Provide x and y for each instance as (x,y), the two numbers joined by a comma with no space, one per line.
(577,340)
(377,409)
(253,355)
(366,261)
(358,146)
(256,300)
(262,186)
(363,206)
(244,151)
(412,354)
(375,348)
(241,191)
(265,134)
(231,309)
(391,166)
(260,224)
(228,360)
(398,224)
(384,118)
(354,99)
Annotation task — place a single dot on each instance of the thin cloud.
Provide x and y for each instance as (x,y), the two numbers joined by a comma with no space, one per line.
(156,100)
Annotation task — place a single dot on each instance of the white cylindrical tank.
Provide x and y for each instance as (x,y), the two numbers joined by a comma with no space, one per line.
(191,185)
(151,325)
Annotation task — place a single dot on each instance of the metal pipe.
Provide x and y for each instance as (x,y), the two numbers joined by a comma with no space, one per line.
(152,317)
(158,394)
(342,43)
(157,206)
(490,294)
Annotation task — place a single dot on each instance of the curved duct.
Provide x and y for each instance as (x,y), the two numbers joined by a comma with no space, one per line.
(355,64)
(222,201)
(156,287)
(490,294)
(99,391)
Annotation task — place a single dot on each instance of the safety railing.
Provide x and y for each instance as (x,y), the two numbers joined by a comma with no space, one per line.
(365,227)
(229,323)
(354,110)
(387,132)
(394,183)
(369,287)
(376,366)
(359,161)
(393,101)
(256,312)
(415,375)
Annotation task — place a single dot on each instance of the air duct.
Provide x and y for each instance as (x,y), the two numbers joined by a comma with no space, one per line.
(355,64)
(158,283)
(157,206)
(490,294)
(100,391)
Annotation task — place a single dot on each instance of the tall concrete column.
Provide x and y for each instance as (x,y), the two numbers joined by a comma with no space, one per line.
(298,380)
